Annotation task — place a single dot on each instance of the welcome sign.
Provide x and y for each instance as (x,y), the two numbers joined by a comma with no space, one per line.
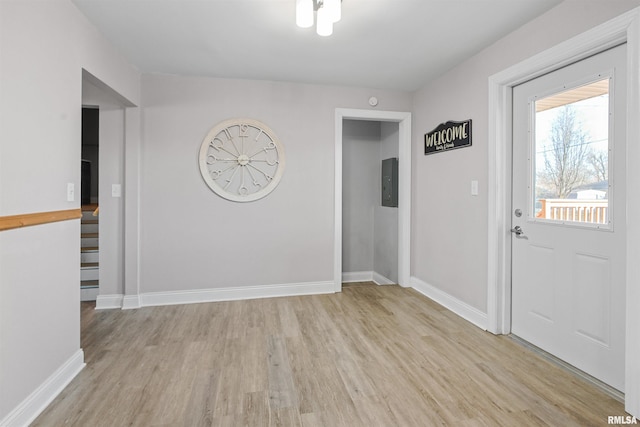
(448,136)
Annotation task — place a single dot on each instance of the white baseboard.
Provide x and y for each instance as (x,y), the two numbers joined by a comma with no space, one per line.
(365,276)
(130,302)
(104,302)
(232,294)
(36,402)
(379,279)
(212,295)
(460,308)
(357,276)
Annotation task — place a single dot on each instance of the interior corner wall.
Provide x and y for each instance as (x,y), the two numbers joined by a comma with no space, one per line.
(285,238)
(385,257)
(360,195)
(449,225)
(44,46)
(111,217)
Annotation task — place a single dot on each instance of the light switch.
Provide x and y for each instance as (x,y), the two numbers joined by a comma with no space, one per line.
(116,190)
(474,188)
(71,192)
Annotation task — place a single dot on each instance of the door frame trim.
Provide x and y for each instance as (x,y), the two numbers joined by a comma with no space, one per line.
(130,211)
(404,188)
(625,28)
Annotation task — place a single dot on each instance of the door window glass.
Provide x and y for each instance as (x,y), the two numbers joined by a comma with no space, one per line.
(571,156)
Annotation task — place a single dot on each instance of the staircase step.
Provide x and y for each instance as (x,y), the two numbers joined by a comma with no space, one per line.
(89,284)
(88,215)
(89,256)
(87,265)
(89,253)
(89,273)
(89,294)
(89,242)
(88,228)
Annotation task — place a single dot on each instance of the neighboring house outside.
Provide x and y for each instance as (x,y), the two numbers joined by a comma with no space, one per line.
(593,191)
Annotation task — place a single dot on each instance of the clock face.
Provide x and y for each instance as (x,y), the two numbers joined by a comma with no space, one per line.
(241,160)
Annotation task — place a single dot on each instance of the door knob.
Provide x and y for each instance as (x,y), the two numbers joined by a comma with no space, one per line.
(517,230)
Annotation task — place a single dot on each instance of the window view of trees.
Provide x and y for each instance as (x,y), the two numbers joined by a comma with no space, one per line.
(570,160)
(572,155)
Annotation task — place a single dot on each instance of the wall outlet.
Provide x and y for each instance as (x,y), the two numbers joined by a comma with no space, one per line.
(116,190)
(474,188)
(71,192)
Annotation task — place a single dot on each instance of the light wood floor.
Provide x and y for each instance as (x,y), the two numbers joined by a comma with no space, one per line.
(369,356)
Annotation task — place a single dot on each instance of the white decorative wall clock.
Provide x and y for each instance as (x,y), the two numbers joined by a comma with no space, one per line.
(241,160)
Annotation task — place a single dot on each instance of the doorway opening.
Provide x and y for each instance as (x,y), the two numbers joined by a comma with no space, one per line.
(568,202)
(625,28)
(398,127)
(369,202)
(89,237)
(104,234)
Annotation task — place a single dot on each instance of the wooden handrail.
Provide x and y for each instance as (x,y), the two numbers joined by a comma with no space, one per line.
(25,220)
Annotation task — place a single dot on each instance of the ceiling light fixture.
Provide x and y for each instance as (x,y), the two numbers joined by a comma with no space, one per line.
(328,12)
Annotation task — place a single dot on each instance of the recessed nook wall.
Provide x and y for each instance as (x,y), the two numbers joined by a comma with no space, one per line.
(369,230)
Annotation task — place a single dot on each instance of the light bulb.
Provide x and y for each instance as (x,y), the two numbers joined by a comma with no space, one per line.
(325,24)
(304,13)
(334,9)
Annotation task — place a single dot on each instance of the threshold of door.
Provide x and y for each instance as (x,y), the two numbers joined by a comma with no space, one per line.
(606,388)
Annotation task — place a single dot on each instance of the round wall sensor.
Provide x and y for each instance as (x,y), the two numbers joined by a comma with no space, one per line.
(373,101)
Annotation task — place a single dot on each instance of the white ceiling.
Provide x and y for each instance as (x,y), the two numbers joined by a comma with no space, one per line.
(384,44)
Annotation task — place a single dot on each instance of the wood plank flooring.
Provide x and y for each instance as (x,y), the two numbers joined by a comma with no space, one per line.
(369,356)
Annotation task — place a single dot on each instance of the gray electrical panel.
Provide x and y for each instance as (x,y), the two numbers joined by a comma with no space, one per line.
(390,182)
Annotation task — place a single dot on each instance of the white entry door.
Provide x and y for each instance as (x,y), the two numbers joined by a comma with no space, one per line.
(568,214)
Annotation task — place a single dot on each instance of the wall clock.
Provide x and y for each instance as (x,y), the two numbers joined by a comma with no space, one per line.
(241,160)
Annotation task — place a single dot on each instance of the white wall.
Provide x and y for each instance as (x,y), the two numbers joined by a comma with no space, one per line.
(44,45)
(111,223)
(385,257)
(193,239)
(448,224)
